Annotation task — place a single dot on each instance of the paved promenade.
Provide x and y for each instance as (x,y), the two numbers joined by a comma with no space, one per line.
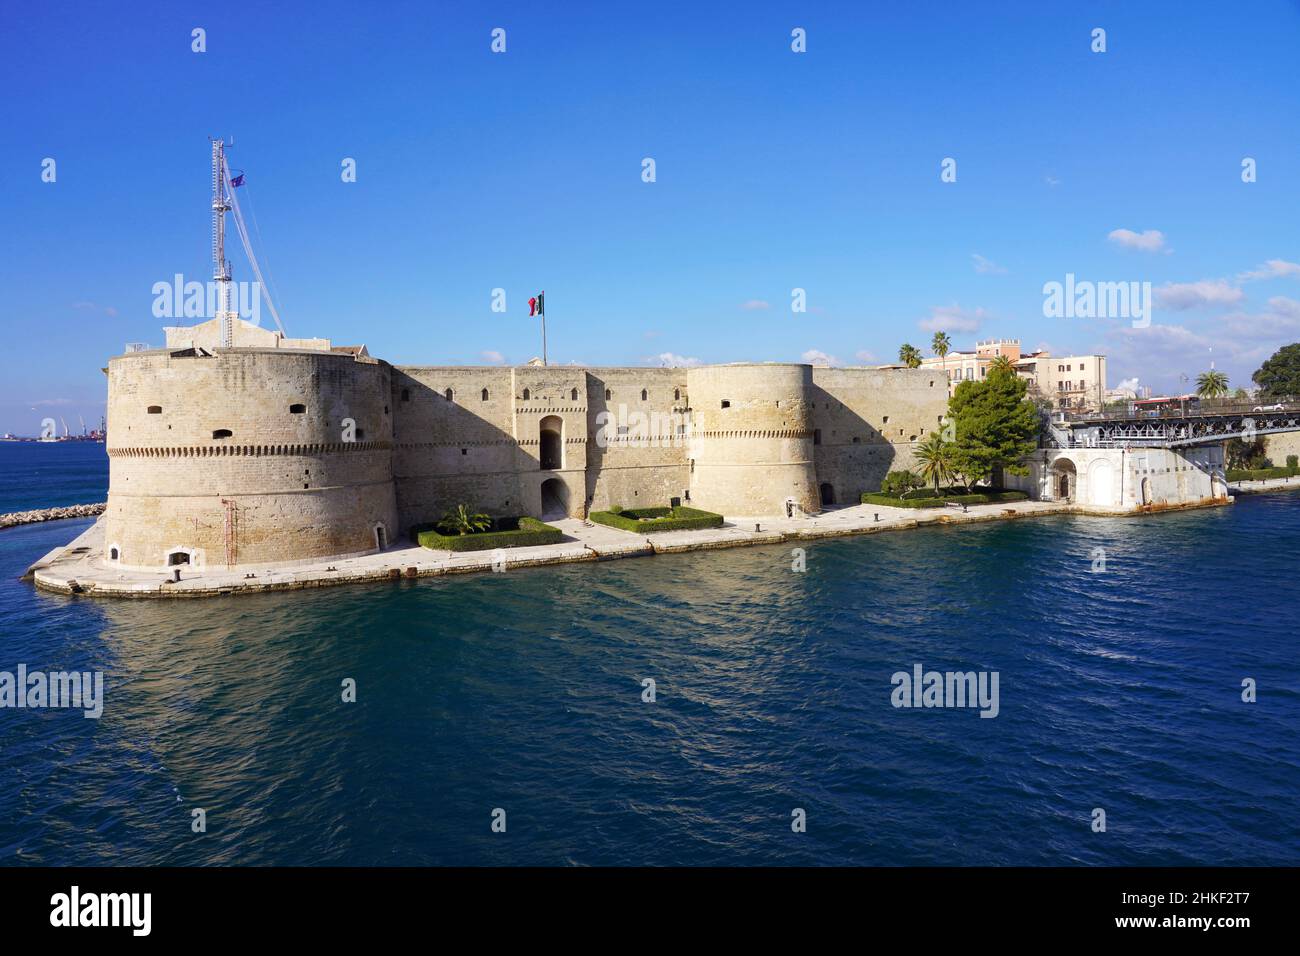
(79,567)
(1267,484)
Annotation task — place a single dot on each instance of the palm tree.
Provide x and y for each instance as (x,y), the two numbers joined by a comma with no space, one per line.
(936,458)
(1001,364)
(464,521)
(910,356)
(941,344)
(1212,384)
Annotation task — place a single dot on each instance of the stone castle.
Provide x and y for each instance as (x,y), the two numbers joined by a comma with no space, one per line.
(279,450)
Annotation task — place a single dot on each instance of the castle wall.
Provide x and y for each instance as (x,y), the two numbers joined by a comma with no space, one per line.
(247,456)
(751,441)
(867,423)
(638,448)
(1278,446)
(462,450)
(255,456)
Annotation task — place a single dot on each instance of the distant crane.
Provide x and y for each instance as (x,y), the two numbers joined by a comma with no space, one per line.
(220,264)
(224,201)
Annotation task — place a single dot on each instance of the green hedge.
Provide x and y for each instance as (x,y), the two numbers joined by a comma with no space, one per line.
(680,518)
(875,498)
(1260,474)
(505,533)
(931,500)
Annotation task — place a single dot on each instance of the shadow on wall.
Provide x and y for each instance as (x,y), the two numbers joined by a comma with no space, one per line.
(446,453)
(851,456)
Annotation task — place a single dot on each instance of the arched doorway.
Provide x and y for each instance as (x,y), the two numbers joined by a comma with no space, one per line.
(555,499)
(827,494)
(1146,491)
(1065,480)
(1218,487)
(1101,484)
(552,435)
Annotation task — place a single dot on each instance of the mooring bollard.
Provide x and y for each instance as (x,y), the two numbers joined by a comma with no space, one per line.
(756,527)
(877,515)
(176,574)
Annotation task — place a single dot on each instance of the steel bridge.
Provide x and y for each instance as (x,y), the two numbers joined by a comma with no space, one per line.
(1174,427)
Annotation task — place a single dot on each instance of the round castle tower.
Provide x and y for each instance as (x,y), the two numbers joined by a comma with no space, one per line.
(751,442)
(239,456)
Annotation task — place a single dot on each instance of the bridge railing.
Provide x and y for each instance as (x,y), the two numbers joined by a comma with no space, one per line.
(1205,408)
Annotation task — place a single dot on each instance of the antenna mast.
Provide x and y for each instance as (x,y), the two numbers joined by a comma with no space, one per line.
(221,265)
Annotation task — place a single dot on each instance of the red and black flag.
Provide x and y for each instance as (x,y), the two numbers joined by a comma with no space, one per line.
(537,305)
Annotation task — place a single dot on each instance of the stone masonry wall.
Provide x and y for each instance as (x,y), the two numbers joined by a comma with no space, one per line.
(867,423)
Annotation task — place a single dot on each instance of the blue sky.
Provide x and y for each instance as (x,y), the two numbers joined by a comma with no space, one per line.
(775,170)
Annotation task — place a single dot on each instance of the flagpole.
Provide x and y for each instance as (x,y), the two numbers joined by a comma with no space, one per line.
(542,296)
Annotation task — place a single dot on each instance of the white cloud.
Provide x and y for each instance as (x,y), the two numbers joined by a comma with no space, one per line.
(108,310)
(866,357)
(1152,240)
(493,358)
(952,318)
(987,266)
(818,357)
(1159,354)
(673,360)
(1272,269)
(755,304)
(1281,320)
(1179,296)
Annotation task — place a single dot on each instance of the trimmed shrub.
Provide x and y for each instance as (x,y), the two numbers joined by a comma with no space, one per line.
(874,498)
(1261,474)
(1293,461)
(931,500)
(505,533)
(651,520)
